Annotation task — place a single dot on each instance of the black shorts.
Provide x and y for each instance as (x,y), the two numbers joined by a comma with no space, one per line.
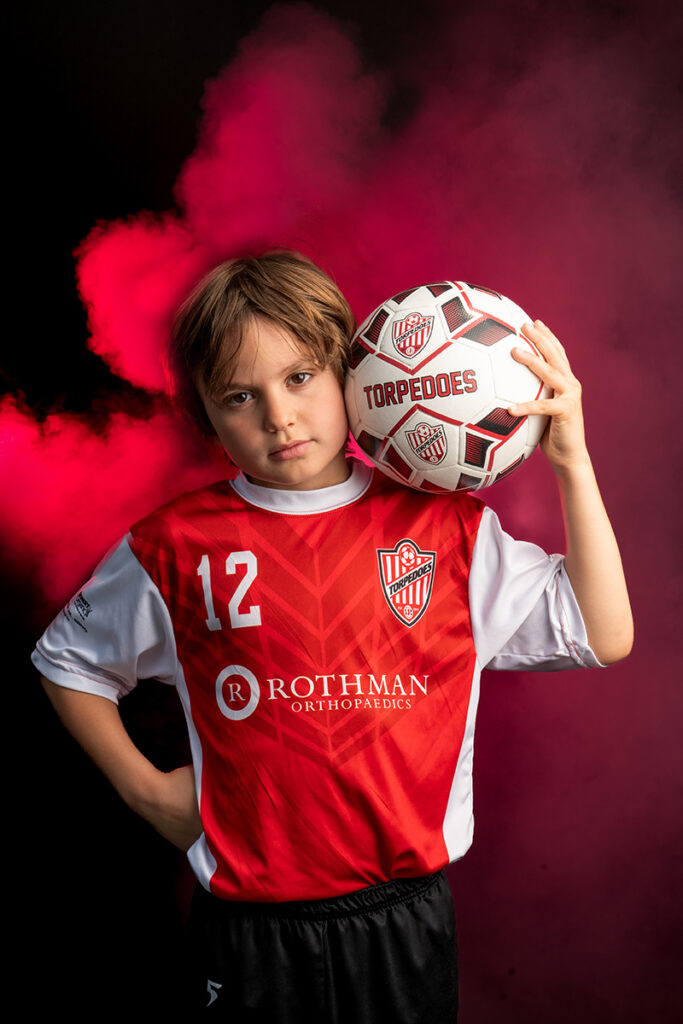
(386,953)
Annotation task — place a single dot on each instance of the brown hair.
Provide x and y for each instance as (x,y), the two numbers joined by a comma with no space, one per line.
(281,285)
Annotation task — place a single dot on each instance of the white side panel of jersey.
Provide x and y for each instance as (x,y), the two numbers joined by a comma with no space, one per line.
(199,855)
(116,630)
(202,862)
(458,826)
(523,609)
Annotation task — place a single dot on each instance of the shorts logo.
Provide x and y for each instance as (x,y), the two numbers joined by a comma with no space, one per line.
(407,576)
(411,334)
(428,442)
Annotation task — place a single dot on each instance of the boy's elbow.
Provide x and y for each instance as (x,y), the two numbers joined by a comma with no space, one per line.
(614,649)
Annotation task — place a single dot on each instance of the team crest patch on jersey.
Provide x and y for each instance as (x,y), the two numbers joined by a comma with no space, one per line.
(428,442)
(407,576)
(411,334)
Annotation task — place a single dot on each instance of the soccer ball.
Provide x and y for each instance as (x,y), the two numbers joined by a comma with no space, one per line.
(429,382)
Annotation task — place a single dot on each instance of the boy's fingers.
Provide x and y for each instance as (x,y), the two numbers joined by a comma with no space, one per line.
(555,377)
(552,366)
(542,407)
(544,339)
(538,408)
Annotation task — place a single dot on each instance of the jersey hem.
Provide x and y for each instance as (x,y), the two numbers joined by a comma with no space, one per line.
(69,679)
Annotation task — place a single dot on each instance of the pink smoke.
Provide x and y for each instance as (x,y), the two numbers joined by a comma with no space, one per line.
(132,275)
(70,493)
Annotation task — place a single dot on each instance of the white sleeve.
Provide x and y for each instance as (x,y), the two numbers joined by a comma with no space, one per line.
(523,609)
(114,631)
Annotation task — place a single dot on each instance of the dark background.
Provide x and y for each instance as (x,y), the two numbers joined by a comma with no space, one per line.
(545,153)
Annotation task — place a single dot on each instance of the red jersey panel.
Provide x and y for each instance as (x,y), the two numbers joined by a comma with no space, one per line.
(328,661)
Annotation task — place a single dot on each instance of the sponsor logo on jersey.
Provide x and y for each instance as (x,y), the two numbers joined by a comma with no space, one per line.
(411,334)
(428,442)
(238,691)
(407,576)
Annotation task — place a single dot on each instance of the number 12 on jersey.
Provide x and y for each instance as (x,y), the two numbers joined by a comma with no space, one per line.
(238,619)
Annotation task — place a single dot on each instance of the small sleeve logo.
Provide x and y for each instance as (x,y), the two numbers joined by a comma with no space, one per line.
(78,610)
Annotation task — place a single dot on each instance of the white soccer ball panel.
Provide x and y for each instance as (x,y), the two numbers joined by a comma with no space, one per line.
(499,306)
(512,381)
(507,453)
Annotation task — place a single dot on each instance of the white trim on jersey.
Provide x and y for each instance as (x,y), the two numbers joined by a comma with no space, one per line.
(458,823)
(305,503)
(202,861)
(199,855)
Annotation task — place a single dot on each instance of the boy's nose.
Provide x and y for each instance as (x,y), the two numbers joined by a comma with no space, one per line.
(278,413)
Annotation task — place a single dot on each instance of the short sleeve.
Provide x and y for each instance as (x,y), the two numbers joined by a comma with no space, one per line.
(523,609)
(114,631)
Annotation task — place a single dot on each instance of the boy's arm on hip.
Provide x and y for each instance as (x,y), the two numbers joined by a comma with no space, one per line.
(167,800)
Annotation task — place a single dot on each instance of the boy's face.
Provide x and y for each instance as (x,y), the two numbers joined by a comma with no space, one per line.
(281,418)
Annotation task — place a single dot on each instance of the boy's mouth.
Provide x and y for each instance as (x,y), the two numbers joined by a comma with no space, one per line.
(289,451)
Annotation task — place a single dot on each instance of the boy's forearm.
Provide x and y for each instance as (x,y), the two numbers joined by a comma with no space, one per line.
(96,725)
(166,800)
(593,563)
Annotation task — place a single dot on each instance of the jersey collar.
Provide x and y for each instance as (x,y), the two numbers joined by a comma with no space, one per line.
(303,503)
(306,502)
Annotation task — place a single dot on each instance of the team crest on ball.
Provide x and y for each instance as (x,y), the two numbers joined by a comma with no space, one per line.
(412,333)
(407,576)
(428,442)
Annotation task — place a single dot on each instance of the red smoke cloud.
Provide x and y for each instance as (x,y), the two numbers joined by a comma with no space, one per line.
(131,276)
(71,492)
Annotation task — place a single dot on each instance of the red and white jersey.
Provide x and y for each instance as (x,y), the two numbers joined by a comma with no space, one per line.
(326,646)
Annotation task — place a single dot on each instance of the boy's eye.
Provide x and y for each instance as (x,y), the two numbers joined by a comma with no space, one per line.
(300,378)
(238,398)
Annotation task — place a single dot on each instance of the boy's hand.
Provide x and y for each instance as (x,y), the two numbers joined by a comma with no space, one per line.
(175,812)
(564,441)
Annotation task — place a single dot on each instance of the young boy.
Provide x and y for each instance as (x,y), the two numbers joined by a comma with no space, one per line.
(331,743)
